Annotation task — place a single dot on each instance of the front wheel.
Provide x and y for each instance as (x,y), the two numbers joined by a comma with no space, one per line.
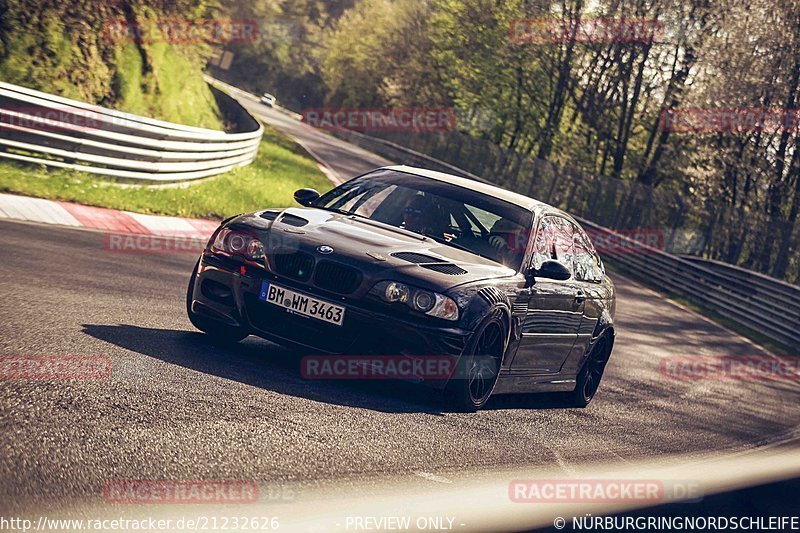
(476,374)
(591,374)
(219,332)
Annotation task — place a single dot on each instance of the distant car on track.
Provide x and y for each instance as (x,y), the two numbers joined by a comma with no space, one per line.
(268,100)
(411,262)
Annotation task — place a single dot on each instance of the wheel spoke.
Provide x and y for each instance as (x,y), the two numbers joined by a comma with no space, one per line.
(477,386)
(484,363)
(597,367)
(491,339)
(588,385)
(602,351)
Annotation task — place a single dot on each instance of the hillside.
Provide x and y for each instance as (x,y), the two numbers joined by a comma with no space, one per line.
(71,48)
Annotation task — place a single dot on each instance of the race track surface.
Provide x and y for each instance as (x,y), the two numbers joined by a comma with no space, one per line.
(178,407)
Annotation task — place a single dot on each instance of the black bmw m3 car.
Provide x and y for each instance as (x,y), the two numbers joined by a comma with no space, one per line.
(408,262)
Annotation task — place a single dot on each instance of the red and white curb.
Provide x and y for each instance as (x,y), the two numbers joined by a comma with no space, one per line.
(330,174)
(109,220)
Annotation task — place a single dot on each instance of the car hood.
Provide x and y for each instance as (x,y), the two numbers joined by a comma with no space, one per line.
(378,250)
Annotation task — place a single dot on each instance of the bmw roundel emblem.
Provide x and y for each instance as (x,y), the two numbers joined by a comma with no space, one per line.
(325,249)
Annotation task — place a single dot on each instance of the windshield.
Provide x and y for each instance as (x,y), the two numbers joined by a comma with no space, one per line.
(454,215)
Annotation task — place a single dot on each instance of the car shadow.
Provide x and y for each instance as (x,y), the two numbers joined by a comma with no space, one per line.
(540,401)
(262,364)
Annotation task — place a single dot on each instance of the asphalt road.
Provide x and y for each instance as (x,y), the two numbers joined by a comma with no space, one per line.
(179,407)
(346,160)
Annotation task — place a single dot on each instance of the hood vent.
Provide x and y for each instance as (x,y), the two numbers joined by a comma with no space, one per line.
(431,263)
(293,220)
(445,268)
(270,215)
(413,257)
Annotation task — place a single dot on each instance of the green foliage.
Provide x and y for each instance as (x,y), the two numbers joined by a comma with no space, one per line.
(594,106)
(283,60)
(171,89)
(66,48)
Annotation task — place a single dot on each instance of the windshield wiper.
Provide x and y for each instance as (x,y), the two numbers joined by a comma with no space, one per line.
(342,212)
(456,245)
(333,209)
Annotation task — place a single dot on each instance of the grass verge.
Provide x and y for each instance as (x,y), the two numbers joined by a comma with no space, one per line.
(282,167)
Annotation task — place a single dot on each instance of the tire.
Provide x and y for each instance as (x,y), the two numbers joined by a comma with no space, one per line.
(218,331)
(478,367)
(591,374)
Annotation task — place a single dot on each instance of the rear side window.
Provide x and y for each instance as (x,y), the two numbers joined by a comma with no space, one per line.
(543,244)
(564,244)
(588,266)
(554,241)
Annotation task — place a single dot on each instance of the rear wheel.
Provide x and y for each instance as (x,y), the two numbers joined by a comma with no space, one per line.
(476,376)
(591,374)
(216,330)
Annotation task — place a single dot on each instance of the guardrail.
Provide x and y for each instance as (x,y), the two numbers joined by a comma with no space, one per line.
(783,292)
(41,128)
(769,307)
(762,308)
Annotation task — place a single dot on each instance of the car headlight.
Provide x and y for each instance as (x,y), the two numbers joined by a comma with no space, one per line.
(428,302)
(396,292)
(237,243)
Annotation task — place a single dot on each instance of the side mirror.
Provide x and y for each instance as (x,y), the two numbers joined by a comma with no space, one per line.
(306,196)
(549,270)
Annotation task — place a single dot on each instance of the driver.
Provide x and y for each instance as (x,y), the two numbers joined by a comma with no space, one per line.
(419,216)
(507,237)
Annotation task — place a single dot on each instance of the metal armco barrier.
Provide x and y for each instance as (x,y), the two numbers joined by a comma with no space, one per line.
(769,307)
(41,128)
(782,292)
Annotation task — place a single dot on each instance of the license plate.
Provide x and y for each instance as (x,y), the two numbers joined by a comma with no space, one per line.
(301,304)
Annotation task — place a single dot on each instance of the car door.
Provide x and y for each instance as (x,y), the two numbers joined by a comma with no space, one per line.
(555,308)
(589,274)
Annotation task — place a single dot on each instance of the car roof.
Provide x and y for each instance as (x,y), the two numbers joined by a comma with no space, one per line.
(482,187)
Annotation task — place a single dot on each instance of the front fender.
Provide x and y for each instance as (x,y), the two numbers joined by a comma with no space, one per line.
(604,323)
(479,302)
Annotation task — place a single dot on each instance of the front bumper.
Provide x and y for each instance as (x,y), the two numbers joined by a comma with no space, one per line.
(228,293)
